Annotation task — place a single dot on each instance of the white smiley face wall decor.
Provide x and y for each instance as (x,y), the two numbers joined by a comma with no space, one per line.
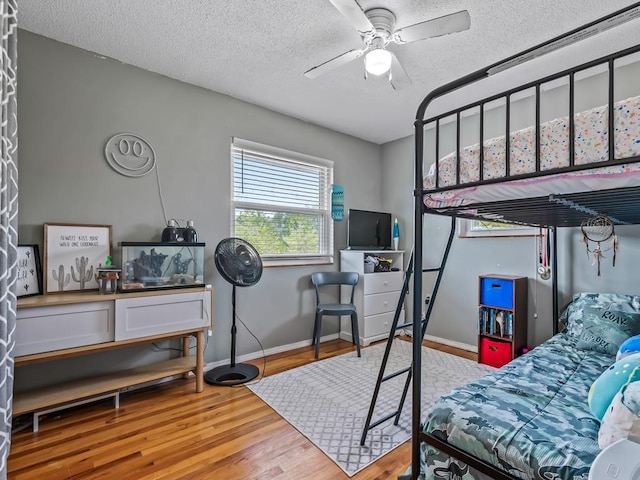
(130,155)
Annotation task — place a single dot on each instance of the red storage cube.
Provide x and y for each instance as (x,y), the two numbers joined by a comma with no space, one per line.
(494,352)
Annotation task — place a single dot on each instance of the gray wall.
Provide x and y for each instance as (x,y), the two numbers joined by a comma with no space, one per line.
(70,102)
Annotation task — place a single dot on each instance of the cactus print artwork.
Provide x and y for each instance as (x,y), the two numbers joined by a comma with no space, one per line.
(72,255)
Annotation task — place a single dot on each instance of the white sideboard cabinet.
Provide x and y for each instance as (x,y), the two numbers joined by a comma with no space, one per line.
(376,295)
(56,326)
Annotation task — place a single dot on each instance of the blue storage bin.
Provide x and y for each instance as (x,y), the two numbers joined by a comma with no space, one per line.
(496,292)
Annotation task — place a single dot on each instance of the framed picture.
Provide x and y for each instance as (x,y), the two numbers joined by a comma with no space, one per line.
(72,253)
(29,280)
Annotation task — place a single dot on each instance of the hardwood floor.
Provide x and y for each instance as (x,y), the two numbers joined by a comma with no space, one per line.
(169,432)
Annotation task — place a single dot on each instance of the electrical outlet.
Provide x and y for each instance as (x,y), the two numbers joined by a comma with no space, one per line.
(209,332)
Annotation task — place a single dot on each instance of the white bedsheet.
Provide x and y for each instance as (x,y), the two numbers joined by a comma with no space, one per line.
(591,145)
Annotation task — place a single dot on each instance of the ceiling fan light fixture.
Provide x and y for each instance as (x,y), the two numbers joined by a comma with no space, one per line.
(378,61)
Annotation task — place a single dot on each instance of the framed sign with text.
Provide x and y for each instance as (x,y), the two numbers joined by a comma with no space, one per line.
(29,278)
(72,254)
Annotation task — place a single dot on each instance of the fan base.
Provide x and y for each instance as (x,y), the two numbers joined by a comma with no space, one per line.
(228,375)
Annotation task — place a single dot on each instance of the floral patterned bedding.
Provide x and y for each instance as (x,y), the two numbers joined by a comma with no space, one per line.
(529,418)
(591,145)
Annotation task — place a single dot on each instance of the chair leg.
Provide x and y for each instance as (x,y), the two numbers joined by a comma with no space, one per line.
(317,330)
(355,335)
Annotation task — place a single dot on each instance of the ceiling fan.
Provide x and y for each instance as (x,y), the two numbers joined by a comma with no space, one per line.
(377,29)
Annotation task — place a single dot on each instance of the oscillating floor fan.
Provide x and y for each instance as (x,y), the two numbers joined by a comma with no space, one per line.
(240,265)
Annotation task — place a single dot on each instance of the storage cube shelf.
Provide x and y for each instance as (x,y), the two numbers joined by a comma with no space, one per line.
(502,318)
(494,321)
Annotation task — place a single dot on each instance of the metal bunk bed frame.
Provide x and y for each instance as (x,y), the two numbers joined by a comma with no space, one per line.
(549,211)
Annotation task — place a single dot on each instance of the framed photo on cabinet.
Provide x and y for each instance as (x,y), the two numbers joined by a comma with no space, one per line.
(72,255)
(29,281)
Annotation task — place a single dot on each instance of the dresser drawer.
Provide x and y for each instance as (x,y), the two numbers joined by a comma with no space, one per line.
(382,282)
(380,324)
(380,303)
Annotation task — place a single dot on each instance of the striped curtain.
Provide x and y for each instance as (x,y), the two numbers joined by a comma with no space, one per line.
(8,219)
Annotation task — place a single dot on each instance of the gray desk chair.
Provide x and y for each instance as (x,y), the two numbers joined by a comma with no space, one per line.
(320,279)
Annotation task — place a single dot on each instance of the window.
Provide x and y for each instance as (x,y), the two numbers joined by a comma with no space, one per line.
(484,228)
(281,203)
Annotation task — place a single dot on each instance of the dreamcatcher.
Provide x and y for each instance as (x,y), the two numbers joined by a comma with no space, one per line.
(544,252)
(599,229)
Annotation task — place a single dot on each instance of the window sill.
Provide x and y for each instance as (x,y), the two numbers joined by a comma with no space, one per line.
(295,262)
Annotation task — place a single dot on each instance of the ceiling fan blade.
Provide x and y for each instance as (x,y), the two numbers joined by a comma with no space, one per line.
(336,62)
(455,22)
(397,76)
(355,15)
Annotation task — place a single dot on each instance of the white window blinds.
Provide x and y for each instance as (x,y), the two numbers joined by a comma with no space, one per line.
(281,203)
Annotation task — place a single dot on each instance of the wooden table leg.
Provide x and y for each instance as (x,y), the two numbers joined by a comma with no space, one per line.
(186,343)
(199,361)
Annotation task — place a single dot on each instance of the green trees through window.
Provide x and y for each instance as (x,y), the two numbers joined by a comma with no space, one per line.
(279,232)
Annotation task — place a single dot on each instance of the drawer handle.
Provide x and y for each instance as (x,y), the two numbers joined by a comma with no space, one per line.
(386,283)
(493,349)
(386,303)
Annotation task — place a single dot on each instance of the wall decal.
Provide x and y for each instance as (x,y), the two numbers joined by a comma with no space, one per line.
(130,155)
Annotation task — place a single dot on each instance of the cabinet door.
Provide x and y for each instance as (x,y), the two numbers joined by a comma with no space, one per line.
(45,329)
(158,314)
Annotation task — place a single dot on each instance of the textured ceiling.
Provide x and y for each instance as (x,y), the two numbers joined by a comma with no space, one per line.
(258,50)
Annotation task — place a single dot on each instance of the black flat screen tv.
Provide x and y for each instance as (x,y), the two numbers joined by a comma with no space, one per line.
(368,230)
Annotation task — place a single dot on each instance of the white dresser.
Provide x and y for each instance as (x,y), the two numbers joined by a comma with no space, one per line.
(376,296)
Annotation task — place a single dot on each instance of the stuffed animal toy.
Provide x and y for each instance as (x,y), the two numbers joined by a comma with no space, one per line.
(611,381)
(621,419)
(629,346)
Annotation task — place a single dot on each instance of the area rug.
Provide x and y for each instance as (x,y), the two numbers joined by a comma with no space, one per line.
(328,401)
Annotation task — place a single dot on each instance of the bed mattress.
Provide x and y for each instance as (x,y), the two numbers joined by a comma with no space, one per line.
(529,418)
(591,145)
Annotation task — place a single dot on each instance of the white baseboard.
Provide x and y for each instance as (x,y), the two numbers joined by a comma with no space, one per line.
(270,351)
(452,343)
(293,346)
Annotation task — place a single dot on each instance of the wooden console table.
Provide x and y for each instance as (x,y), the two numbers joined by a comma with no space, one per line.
(96,323)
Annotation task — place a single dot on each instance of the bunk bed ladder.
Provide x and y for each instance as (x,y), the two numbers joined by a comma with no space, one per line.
(369,424)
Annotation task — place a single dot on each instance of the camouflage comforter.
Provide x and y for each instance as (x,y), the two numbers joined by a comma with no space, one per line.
(530,417)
